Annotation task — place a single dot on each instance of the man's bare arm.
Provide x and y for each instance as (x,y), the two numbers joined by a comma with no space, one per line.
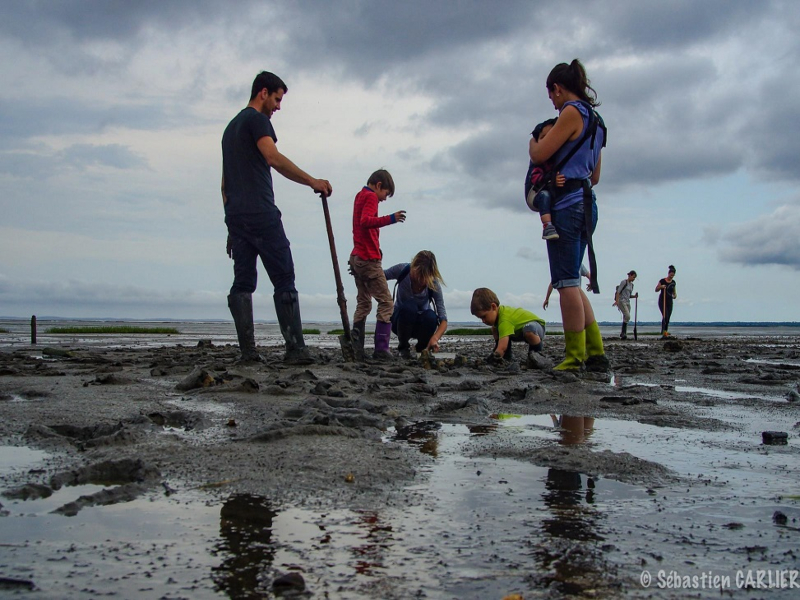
(288,169)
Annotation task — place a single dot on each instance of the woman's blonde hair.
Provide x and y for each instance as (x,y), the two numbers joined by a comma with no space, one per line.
(425,267)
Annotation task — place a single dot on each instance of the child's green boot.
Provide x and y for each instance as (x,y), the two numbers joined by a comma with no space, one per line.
(595,353)
(575,347)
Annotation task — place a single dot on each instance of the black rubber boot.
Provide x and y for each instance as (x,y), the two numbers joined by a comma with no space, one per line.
(405,352)
(241,307)
(357,334)
(287,309)
(624,334)
(404,346)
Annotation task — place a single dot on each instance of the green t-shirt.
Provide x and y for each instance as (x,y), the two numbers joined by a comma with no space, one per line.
(511,320)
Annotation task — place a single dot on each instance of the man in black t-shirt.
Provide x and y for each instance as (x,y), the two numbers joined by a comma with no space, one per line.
(255,229)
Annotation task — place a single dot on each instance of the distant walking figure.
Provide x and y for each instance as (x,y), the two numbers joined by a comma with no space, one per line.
(622,300)
(668,293)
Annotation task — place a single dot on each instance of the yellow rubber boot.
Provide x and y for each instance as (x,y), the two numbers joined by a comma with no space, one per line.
(595,354)
(575,347)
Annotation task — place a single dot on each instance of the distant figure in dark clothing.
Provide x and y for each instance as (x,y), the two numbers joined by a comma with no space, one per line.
(668,293)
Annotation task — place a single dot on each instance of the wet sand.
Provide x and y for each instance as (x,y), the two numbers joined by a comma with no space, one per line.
(448,478)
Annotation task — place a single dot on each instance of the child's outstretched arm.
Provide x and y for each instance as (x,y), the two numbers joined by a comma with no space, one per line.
(502,345)
(371,208)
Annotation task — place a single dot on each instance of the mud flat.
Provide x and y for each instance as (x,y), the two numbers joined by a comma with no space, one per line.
(172,472)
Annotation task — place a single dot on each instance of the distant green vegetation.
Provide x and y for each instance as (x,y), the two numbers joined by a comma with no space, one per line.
(310,331)
(115,329)
(469,331)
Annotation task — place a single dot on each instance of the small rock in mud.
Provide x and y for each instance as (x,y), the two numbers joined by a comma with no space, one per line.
(565,376)
(291,582)
(29,491)
(623,400)
(110,472)
(60,352)
(10,583)
(179,419)
(196,379)
(774,438)
(779,518)
(472,406)
(306,375)
(538,361)
(107,379)
(248,385)
(116,495)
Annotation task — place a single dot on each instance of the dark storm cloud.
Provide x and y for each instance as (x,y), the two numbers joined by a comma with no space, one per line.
(51,23)
(768,240)
(672,113)
(372,39)
(53,116)
(41,165)
(666,26)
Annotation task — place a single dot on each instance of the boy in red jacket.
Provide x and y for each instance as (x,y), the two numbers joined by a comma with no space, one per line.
(365,264)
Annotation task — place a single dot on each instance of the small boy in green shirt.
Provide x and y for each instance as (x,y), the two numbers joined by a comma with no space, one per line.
(507,323)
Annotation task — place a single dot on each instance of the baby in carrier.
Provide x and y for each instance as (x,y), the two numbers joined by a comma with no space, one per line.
(539,184)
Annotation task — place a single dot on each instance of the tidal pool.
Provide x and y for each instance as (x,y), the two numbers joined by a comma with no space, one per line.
(472,527)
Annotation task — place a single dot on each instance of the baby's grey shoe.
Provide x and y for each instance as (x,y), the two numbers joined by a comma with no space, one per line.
(549,232)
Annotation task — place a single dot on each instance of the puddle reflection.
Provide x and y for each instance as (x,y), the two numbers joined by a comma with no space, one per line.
(573,430)
(566,559)
(423,434)
(246,542)
(378,541)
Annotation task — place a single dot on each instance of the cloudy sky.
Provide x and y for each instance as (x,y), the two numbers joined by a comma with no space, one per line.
(111,114)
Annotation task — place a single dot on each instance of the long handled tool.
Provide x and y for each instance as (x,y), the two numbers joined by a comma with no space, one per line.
(635,317)
(344,340)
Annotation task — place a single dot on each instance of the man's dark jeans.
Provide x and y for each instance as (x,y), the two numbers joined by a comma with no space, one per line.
(260,235)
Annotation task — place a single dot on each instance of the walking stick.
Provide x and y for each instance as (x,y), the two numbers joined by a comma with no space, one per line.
(635,317)
(344,340)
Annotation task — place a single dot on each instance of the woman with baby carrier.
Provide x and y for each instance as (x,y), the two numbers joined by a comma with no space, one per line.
(574,146)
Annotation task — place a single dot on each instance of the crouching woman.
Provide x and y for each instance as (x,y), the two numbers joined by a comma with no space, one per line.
(419,311)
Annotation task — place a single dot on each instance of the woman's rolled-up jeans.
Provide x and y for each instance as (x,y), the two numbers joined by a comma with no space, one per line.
(566,253)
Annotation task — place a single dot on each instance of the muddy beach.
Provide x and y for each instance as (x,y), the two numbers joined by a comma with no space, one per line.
(172,472)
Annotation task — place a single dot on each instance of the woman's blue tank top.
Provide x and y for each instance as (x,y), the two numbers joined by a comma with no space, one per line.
(583,162)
